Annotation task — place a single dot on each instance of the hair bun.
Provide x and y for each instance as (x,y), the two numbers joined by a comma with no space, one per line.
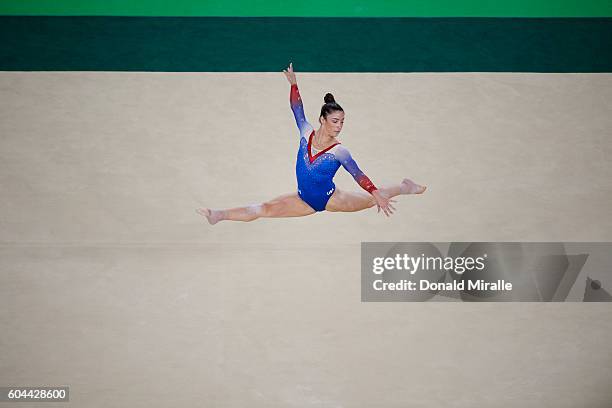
(329,98)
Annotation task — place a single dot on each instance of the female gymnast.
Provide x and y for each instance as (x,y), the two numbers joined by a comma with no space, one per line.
(319,157)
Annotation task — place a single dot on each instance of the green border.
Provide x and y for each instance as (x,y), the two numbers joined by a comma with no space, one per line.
(267,44)
(311,8)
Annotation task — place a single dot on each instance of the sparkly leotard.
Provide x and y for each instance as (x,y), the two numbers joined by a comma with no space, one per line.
(315,173)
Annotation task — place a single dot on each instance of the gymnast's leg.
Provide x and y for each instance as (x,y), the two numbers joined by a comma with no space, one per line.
(342,201)
(286,205)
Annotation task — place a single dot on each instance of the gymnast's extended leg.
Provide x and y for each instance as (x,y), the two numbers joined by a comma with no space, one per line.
(343,201)
(286,205)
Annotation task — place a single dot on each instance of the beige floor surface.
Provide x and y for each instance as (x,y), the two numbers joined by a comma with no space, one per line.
(111,284)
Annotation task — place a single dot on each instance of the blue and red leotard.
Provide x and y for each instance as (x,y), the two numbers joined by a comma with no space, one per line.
(315,173)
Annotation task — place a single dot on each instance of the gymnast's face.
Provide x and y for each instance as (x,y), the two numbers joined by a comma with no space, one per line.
(333,123)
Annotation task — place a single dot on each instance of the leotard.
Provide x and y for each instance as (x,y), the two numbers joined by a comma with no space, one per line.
(315,173)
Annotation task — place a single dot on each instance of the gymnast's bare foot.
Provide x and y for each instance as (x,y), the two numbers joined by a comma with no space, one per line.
(213,216)
(410,187)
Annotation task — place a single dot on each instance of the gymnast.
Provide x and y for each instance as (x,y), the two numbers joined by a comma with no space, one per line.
(319,157)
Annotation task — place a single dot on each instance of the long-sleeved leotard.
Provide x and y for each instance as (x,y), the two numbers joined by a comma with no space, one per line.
(315,173)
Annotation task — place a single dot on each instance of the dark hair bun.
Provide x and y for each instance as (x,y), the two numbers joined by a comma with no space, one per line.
(329,98)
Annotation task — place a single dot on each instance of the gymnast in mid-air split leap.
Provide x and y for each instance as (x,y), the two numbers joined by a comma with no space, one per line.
(319,157)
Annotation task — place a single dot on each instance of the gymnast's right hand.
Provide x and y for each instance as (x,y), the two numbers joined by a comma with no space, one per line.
(290,74)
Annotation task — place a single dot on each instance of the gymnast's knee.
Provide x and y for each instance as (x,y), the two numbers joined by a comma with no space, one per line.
(257,210)
(358,205)
(269,209)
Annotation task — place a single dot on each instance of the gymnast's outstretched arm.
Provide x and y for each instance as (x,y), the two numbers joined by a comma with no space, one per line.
(295,101)
(345,158)
(382,198)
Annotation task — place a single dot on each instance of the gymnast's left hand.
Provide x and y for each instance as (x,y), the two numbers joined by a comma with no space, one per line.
(383,202)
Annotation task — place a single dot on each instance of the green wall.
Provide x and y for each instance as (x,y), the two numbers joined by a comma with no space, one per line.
(312,8)
(267,44)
